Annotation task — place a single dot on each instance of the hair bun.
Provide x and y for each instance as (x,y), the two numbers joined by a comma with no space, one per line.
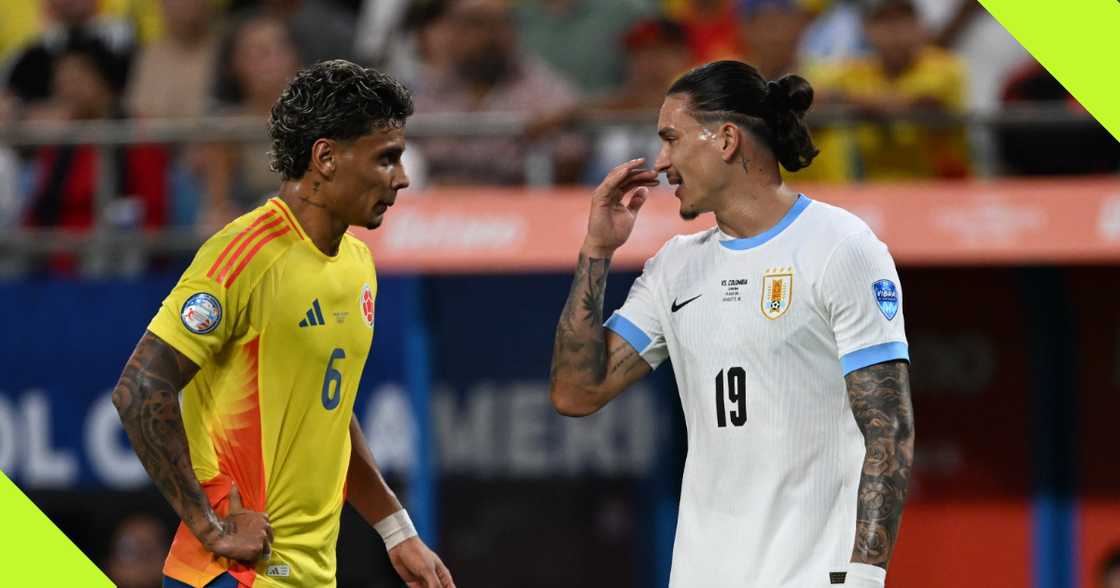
(789,93)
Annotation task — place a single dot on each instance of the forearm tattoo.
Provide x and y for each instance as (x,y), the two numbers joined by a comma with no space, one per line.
(579,350)
(147,398)
(880,399)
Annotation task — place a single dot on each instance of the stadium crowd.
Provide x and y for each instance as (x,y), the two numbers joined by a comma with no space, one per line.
(550,61)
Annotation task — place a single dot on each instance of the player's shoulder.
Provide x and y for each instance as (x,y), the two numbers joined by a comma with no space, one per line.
(679,248)
(358,249)
(829,225)
(249,245)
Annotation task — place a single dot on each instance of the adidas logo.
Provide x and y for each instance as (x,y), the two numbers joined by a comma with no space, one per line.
(314,316)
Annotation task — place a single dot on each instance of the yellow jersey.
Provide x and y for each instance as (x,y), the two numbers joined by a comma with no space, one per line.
(897,151)
(281,333)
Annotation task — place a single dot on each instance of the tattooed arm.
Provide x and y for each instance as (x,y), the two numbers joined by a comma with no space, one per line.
(880,399)
(590,364)
(147,398)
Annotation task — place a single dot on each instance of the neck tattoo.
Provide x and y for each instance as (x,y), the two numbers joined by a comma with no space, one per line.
(312,202)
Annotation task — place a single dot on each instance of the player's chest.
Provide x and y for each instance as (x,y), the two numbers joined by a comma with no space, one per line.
(326,311)
(732,303)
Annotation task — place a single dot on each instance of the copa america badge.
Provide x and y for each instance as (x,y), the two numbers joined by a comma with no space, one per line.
(201,313)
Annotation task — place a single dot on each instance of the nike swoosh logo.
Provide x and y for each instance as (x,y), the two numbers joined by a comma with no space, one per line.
(677,307)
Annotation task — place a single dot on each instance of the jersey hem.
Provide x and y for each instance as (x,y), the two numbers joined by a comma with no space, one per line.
(874,354)
(631,333)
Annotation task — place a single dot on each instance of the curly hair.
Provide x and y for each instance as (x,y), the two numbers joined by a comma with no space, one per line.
(333,99)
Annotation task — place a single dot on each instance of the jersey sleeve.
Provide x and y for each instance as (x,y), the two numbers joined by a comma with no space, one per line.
(206,308)
(863,299)
(638,321)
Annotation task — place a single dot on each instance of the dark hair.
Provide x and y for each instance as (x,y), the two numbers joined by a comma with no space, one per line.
(109,66)
(774,111)
(333,99)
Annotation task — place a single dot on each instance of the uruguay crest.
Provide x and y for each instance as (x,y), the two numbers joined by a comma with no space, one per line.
(886,296)
(777,291)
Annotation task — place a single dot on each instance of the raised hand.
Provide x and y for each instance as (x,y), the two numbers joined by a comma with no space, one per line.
(611,220)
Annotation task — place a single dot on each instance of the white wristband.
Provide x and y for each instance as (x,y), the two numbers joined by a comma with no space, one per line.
(865,576)
(395,528)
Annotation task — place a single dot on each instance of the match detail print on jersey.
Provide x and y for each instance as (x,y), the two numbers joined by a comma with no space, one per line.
(777,291)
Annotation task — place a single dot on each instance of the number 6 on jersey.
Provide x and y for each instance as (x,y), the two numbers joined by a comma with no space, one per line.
(736,392)
(330,401)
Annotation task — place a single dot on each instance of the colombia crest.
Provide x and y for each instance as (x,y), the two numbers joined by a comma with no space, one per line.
(365,304)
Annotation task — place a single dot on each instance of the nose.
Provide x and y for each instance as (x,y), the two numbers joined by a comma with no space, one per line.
(662,164)
(400,180)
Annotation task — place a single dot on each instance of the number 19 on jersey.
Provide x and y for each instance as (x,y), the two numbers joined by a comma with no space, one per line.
(733,387)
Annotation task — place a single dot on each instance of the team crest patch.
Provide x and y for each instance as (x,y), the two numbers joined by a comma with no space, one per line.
(201,313)
(886,295)
(365,304)
(777,291)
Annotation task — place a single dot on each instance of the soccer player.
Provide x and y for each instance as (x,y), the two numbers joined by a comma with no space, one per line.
(266,335)
(784,325)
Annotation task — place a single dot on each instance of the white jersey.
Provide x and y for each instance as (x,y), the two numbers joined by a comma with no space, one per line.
(761,332)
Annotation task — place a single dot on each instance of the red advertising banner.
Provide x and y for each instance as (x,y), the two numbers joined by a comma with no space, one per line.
(925,223)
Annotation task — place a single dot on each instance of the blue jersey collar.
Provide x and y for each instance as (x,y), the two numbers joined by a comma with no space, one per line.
(799,206)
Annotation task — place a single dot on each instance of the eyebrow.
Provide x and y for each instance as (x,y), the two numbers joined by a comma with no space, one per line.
(394,151)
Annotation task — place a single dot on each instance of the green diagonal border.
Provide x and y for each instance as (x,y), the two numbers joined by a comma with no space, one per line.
(1077,41)
(33,552)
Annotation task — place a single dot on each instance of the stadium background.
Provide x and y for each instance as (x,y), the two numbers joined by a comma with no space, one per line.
(1008,259)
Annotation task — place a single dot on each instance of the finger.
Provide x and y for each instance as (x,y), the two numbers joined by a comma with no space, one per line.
(619,173)
(444,575)
(628,186)
(268,532)
(235,499)
(637,200)
(431,580)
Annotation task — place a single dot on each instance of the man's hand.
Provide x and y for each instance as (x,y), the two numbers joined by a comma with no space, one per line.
(245,535)
(418,566)
(611,221)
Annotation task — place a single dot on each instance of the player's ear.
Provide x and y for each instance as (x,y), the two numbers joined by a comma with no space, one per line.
(730,141)
(324,156)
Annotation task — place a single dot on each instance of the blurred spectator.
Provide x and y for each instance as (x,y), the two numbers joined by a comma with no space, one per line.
(486,73)
(379,31)
(579,37)
(256,60)
(711,27)
(835,33)
(136,555)
(11,200)
(1081,148)
(189,49)
(656,53)
(73,21)
(904,75)
(83,87)
(770,31)
(319,29)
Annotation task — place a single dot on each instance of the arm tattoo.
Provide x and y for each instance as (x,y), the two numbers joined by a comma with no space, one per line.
(880,399)
(147,398)
(579,351)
